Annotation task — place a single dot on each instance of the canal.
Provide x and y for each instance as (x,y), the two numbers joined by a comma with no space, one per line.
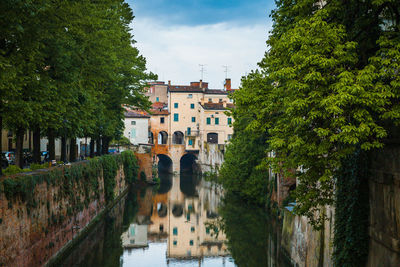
(182,222)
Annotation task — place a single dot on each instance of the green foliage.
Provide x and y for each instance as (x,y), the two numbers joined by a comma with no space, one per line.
(110,168)
(351,238)
(79,65)
(12,169)
(35,166)
(242,172)
(143,176)
(78,183)
(327,85)
(131,167)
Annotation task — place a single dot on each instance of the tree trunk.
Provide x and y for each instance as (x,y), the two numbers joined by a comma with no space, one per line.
(30,140)
(19,155)
(52,145)
(98,146)
(91,147)
(63,149)
(36,145)
(72,150)
(1,143)
(104,145)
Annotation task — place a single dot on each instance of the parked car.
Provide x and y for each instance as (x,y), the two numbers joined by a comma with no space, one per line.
(10,156)
(4,161)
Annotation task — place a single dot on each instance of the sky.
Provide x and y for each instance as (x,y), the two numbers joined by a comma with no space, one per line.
(177,36)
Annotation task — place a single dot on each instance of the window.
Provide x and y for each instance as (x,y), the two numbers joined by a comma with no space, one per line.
(190,142)
(176,117)
(229,121)
(162,119)
(175,231)
(132,241)
(229,137)
(175,105)
(189,131)
(157,99)
(192,106)
(190,96)
(133,133)
(193,119)
(209,100)
(175,242)
(207,230)
(133,122)
(192,229)
(188,217)
(220,100)
(208,120)
(191,242)
(216,121)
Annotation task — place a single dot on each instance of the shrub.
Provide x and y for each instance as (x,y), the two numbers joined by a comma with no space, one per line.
(12,169)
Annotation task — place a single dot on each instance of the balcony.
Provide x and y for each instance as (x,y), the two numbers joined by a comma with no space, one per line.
(192,133)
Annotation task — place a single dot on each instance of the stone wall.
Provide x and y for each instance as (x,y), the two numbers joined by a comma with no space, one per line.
(304,245)
(35,226)
(384,187)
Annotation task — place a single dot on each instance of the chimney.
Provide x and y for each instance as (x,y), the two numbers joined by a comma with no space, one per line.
(201,83)
(202,101)
(227,84)
(169,82)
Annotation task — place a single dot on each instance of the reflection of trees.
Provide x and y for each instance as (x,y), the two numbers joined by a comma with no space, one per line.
(253,237)
(104,242)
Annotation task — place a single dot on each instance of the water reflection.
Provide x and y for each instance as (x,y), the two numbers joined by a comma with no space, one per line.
(175,224)
(253,236)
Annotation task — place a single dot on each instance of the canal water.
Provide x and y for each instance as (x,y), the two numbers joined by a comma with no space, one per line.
(181,222)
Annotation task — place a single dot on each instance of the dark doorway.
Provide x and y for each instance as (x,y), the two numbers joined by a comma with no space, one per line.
(212,138)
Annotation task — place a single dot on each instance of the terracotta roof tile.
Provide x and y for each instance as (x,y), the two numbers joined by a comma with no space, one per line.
(136,114)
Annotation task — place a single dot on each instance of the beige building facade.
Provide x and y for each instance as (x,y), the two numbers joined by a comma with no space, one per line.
(192,118)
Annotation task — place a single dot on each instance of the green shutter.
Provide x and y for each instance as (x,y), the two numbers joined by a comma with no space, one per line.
(208,120)
(216,121)
(176,117)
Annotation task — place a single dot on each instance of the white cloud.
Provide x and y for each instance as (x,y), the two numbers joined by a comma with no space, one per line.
(175,52)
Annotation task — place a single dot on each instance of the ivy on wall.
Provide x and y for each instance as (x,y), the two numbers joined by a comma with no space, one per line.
(78,184)
(351,237)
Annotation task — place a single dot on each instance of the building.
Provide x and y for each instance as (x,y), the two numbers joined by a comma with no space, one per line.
(136,126)
(190,120)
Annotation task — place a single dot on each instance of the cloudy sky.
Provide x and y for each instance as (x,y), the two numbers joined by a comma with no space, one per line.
(176,36)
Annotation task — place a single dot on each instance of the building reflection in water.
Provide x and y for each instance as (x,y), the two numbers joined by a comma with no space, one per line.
(179,214)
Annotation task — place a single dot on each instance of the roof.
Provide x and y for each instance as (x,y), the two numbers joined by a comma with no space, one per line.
(158,105)
(136,114)
(184,89)
(195,89)
(216,92)
(216,106)
(159,112)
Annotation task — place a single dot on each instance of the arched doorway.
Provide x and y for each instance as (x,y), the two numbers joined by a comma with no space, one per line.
(212,138)
(164,164)
(162,138)
(177,138)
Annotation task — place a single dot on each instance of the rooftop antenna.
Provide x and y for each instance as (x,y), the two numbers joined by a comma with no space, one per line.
(202,70)
(226,67)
